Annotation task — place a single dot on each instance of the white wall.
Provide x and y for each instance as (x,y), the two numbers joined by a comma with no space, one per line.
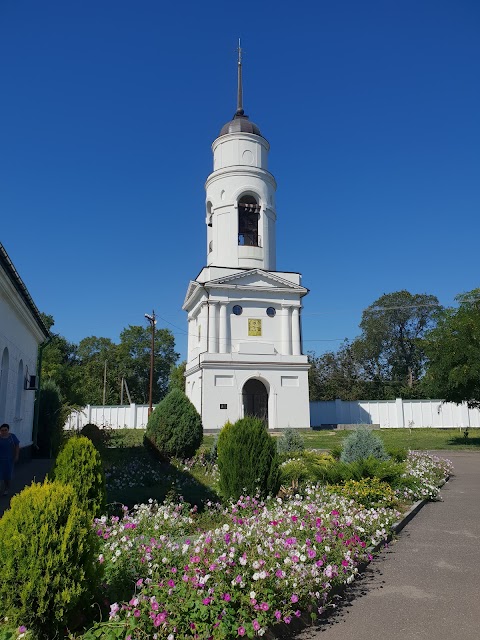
(19,338)
(394,413)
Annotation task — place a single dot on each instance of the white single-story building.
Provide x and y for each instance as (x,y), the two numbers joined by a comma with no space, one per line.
(21,333)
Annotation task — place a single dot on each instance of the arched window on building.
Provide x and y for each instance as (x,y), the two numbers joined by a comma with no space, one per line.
(20,389)
(248,217)
(3,384)
(209,214)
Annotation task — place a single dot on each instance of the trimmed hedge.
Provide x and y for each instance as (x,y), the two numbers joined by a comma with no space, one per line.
(174,428)
(247,459)
(48,559)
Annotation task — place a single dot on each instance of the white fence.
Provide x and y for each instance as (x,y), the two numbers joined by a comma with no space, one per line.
(387,413)
(394,413)
(130,416)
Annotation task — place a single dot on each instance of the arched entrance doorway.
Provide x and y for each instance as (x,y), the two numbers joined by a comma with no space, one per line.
(255,399)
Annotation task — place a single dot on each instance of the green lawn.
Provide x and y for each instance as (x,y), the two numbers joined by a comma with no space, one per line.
(421,439)
(139,476)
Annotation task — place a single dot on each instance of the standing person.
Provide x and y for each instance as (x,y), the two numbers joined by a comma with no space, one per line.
(9,452)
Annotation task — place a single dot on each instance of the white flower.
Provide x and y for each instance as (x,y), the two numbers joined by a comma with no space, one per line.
(252,595)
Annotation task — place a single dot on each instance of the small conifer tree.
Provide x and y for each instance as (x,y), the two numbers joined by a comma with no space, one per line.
(360,444)
(174,428)
(79,465)
(290,442)
(48,561)
(247,459)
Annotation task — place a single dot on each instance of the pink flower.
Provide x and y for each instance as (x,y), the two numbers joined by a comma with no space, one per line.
(256,625)
(22,629)
(278,614)
(294,597)
(227,597)
(206,601)
(241,631)
(264,606)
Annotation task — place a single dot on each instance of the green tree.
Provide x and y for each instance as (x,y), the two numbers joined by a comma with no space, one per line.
(60,363)
(453,350)
(391,346)
(177,377)
(96,356)
(175,426)
(337,374)
(51,418)
(134,361)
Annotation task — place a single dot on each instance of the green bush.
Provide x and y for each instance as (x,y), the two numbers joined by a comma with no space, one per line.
(397,453)
(290,442)
(48,563)
(174,428)
(369,492)
(79,465)
(99,437)
(247,459)
(50,419)
(362,443)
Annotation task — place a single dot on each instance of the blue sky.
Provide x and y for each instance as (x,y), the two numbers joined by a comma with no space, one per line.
(108,111)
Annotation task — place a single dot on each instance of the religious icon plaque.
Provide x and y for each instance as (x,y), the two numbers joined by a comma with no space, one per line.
(254,327)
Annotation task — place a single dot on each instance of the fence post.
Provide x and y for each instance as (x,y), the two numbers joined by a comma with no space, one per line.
(89,413)
(399,408)
(133,416)
(465,415)
(338,411)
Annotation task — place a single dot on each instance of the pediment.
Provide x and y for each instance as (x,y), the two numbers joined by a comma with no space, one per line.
(193,289)
(255,279)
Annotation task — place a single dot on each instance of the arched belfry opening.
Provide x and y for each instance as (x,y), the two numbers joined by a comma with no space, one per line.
(255,400)
(248,217)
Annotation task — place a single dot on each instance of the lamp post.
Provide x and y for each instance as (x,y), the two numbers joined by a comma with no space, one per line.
(153,322)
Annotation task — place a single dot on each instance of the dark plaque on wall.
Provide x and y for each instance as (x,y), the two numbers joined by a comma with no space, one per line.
(223,406)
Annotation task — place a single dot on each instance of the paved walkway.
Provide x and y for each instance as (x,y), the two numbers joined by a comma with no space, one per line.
(426,585)
(25,473)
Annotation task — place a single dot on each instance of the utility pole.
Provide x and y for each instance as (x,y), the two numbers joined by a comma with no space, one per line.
(151,319)
(104,382)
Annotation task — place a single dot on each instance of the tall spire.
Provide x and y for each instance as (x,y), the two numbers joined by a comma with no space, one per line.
(240,110)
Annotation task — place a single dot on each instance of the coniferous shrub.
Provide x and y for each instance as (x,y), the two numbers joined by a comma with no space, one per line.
(50,419)
(79,465)
(247,459)
(48,559)
(290,442)
(362,443)
(174,428)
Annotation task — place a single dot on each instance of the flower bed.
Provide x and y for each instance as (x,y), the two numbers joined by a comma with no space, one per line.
(262,563)
(268,562)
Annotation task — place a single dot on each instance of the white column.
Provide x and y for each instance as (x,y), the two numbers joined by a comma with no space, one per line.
(286,334)
(296,351)
(222,337)
(212,327)
(203,322)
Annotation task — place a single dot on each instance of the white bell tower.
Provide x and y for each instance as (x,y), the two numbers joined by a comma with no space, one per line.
(240,199)
(244,325)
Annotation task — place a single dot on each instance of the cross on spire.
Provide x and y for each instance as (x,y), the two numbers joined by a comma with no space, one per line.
(240,110)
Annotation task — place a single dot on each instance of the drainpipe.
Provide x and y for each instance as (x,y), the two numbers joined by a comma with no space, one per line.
(38,392)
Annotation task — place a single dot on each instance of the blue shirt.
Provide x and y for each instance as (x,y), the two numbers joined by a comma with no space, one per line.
(7,447)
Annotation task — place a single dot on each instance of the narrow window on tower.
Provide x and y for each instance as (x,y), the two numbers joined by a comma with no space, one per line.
(248,216)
